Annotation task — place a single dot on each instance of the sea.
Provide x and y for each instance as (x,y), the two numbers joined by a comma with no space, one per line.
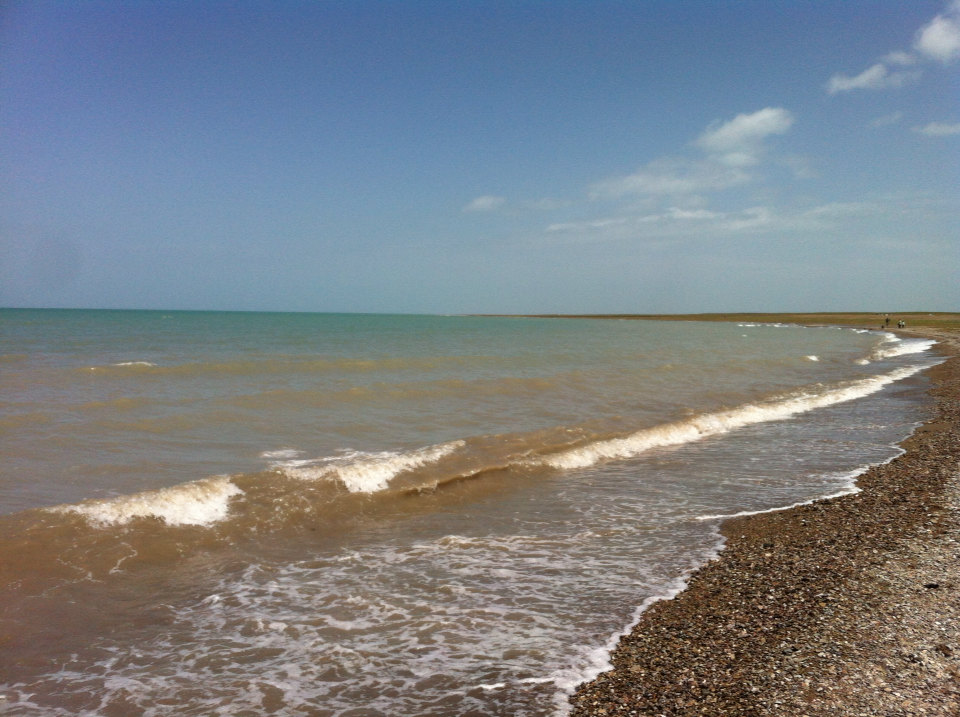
(211,513)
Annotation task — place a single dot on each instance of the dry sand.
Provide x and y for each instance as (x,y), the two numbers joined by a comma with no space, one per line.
(848,606)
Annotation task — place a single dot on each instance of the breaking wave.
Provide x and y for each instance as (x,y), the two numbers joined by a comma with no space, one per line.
(894,346)
(364,472)
(712,424)
(202,502)
(208,501)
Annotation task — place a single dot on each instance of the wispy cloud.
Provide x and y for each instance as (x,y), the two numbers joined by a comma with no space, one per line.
(671,176)
(667,197)
(730,147)
(938,129)
(587,226)
(887,120)
(841,209)
(899,57)
(753,223)
(673,223)
(485,203)
(875,77)
(938,40)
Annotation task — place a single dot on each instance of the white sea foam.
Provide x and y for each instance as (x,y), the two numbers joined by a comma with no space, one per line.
(363,472)
(597,659)
(754,325)
(348,625)
(851,490)
(893,346)
(712,424)
(282,453)
(812,358)
(123,364)
(902,347)
(201,502)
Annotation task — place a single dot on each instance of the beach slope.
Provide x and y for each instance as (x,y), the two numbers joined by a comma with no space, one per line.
(849,606)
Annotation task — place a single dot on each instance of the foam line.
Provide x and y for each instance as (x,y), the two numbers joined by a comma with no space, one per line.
(712,424)
(597,660)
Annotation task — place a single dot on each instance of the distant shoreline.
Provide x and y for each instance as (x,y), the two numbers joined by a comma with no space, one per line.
(861,319)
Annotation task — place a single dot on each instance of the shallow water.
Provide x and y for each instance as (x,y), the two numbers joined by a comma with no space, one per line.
(334,514)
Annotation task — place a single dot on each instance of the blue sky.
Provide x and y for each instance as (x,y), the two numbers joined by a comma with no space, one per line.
(451,157)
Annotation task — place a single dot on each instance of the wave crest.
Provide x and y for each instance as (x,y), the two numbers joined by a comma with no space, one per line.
(202,502)
(901,347)
(712,424)
(363,472)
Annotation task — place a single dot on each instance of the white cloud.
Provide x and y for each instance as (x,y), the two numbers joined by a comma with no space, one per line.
(875,77)
(752,218)
(737,142)
(687,214)
(671,177)
(590,226)
(668,196)
(675,223)
(938,129)
(486,203)
(940,38)
(840,209)
(898,57)
(937,40)
(731,147)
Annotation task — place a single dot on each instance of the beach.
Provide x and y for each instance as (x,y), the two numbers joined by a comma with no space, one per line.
(847,606)
(220,512)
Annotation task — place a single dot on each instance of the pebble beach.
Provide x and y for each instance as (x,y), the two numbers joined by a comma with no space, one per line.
(847,606)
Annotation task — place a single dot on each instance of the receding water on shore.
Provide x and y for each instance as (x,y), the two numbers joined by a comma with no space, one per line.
(206,513)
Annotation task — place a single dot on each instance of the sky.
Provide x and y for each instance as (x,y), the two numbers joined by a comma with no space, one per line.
(657,156)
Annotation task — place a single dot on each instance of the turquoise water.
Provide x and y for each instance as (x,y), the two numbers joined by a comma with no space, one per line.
(211,512)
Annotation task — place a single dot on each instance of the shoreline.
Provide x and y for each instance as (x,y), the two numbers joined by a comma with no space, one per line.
(937,324)
(843,606)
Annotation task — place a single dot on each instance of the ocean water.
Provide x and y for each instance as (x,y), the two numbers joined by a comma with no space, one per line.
(356,515)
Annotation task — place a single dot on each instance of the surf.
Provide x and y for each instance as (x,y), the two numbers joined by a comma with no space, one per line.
(209,501)
(431,515)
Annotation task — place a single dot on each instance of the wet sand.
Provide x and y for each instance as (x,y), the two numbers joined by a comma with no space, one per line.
(849,606)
